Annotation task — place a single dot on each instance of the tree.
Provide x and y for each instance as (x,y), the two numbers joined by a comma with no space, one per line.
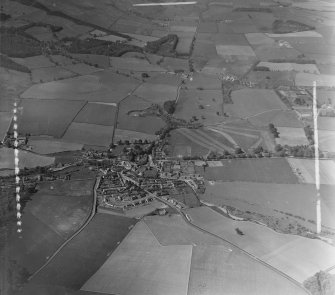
(169,106)
(278,147)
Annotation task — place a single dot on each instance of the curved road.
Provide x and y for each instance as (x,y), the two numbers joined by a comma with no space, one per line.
(88,220)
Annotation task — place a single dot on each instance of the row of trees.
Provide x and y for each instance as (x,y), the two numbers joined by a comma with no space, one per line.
(274,130)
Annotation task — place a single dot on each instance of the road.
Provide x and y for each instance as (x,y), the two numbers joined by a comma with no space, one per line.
(234,246)
(88,220)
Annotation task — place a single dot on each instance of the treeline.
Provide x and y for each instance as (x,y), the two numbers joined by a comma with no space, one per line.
(292,60)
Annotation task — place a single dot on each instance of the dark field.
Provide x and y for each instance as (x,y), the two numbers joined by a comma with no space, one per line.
(253,170)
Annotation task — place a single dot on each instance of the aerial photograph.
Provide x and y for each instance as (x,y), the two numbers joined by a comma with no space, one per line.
(167,147)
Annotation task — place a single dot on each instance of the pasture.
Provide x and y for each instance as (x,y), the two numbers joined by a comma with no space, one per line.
(162,269)
(296,256)
(102,61)
(134,64)
(251,102)
(26,159)
(327,140)
(305,170)
(125,134)
(102,235)
(89,134)
(5,121)
(252,170)
(47,116)
(42,75)
(97,113)
(35,62)
(45,145)
(82,68)
(291,136)
(259,39)
(306,79)
(263,198)
(224,50)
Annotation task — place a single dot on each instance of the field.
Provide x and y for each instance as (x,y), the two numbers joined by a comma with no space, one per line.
(35,62)
(291,136)
(203,104)
(81,68)
(26,159)
(74,265)
(175,64)
(46,116)
(101,61)
(253,170)
(46,145)
(121,134)
(5,121)
(305,170)
(296,256)
(251,102)
(282,67)
(134,64)
(224,50)
(103,86)
(97,113)
(201,81)
(129,119)
(42,75)
(327,140)
(12,83)
(150,267)
(258,39)
(264,198)
(266,79)
(305,79)
(89,134)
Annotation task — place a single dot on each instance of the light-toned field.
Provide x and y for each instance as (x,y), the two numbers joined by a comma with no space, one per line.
(175,64)
(327,140)
(47,145)
(97,113)
(122,134)
(185,40)
(312,34)
(82,68)
(250,102)
(141,211)
(303,68)
(134,64)
(291,136)
(89,134)
(201,81)
(269,51)
(253,170)
(263,198)
(223,50)
(204,104)
(5,121)
(47,117)
(42,75)
(259,39)
(140,265)
(35,62)
(26,159)
(305,170)
(296,256)
(216,270)
(12,83)
(306,79)
(129,119)
(103,86)
(173,230)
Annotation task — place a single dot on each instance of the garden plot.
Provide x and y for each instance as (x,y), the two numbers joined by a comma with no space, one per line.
(251,102)
(47,145)
(150,267)
(291,136)
(26,159)
(34,62)
(305,79)
(205,105)
(134,64)
(224,50)
(47,117)
(97,113)
(305,170)
(253,170)
(297,257)
(264,198)
(131,117)
(89,134)
(42,75)
(103,86)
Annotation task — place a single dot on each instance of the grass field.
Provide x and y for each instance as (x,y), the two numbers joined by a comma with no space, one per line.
(35,62)
(150,267)
(327,140)
(263,198)
(305,170)
(101,61)
(250,102)
(82,68)
(97,113)
(42,75)
(46,145)
(134,64)
(291,136)
(306,79)
(89,134)
(26,159)
(47,117)
(253,170)
(223,50)
(122,134)
(296,256)
(279,118)
(156,92)
(83,256)
(12,83)
(5,121)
